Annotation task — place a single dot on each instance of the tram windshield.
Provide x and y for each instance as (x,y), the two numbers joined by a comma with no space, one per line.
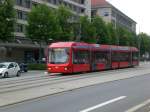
(58,55)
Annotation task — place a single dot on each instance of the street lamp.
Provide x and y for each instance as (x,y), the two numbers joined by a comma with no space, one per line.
(78,33)
(79,30)
(40,44)
(139,46)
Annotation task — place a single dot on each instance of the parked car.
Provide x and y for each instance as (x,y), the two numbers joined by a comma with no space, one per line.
(8,69)
(23,67)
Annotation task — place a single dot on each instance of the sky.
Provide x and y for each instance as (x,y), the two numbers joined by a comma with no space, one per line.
(138,10)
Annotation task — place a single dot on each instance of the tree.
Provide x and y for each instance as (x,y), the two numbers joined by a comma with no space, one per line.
(101,30)
(133,39)
(144,43)
(64,20)
(88,31)
(42,24)
(122,35)
(112,34)
(7,20)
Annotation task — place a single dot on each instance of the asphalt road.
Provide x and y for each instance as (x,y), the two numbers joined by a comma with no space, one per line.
(116,96)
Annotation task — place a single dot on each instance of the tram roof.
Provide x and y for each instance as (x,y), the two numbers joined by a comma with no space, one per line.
(68,44)
(134,49)
(95,46)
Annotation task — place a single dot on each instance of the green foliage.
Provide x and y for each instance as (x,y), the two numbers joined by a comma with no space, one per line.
(112,34)
(101,31)
(144,43)
(37,66)
(7,20)
(123,36)
(133,39)
(42,24)
(88,31)
(45,23)
(126,38)
(66,30)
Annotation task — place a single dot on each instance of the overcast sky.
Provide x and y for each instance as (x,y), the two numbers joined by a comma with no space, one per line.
(138,10)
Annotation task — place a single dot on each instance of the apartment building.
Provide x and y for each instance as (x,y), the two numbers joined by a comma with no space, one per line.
(25,49)
(111,14)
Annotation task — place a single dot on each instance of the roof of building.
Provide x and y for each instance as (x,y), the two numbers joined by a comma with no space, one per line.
(103,4)
(98,3)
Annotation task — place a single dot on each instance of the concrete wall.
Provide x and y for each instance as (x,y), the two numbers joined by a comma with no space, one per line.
(105,13)
(88,8)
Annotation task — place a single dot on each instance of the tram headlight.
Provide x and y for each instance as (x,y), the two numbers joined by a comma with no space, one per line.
(49,68)
(66,68)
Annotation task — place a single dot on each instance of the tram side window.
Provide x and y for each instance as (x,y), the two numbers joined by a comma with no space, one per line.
(115,56)
(124,56)
(101,57)
(80,57)
(135,56)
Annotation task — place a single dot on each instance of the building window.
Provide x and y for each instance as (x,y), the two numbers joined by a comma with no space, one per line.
(60,2)
(25,15)
(50,1)
(19,28)
(19,2)
(53,1)
(82,1)
(19,14)
(106,13)
(74,8)
(93,13)
(34,4)
(28,3)
(82,10)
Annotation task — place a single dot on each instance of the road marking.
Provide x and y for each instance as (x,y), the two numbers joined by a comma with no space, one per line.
(135,108)
(103,104)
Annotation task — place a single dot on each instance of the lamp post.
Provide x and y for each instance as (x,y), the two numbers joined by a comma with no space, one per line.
(139,46)
(40,44)
(79,33)
(79,30)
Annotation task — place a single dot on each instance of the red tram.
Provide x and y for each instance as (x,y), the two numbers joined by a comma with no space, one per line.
(72,57)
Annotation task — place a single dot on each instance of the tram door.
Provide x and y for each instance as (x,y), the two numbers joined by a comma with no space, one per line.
(81,61)
(93,61)
(100,60)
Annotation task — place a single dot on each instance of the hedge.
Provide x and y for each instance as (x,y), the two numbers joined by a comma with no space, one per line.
(37,66)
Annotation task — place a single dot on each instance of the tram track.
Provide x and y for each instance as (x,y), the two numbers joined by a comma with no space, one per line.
(28,83)
(20,80)
(30,79)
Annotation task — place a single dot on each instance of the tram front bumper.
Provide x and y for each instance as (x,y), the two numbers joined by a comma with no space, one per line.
(59,69)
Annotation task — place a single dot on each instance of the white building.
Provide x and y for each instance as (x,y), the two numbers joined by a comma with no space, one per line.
(111,14)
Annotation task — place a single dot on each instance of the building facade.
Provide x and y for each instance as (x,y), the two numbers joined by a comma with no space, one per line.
(23,49)
(110,14)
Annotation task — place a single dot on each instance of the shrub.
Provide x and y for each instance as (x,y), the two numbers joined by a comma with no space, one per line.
(37,66)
